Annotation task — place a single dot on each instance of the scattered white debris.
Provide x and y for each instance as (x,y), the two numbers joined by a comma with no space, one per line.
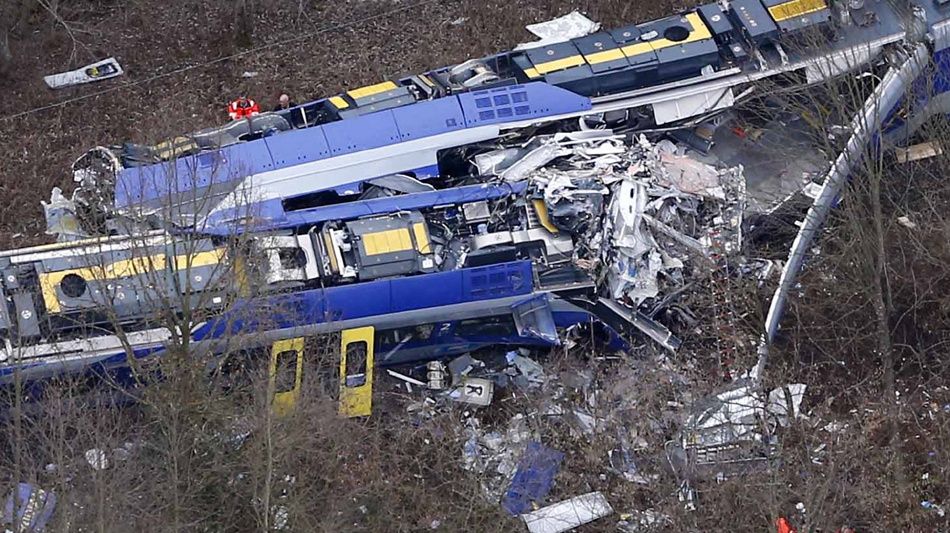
(61,219)
(568,514)
(906,222)
(97,459)
(558,30)
(249,74)
(476,391)
(637,521)
(924,150)
(281,517)
(102,70)
(406,378)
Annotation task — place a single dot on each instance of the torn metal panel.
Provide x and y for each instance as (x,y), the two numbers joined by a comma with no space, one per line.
(474,391)
(98,71)
(401,183)
(560,29)
(735,429)
(568,514)
(692,105)
(29,509)
(533,479)
(61,218)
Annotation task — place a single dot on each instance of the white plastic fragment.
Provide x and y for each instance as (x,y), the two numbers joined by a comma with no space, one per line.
(61,219)
(558,30)
(906,222)
(568,514)
(475,391)
(101,70)
(785,402)
(405,378)
(97,459)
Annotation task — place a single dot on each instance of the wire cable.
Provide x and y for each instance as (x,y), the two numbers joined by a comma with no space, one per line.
(243,53)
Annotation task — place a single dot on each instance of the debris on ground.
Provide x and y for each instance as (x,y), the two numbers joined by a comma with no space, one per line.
(494,455)
(916,152)
(642,521)
(101,70)
(734,431)
(560,29)
(533,479)
(28,509)
(568,514)
(97,458)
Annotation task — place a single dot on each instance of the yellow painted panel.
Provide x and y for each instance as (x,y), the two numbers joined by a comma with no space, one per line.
(241,277)
(387,242)
(172,148)
(357,400)
(632,50)
(698,32)
(559,64)
(605,56)
(200,259)
(422,238)
(370,90)
(339,102)
(532,72)
(125,268)
(118,269)
(796,8)
(328,242)
(542,210)
(285,401)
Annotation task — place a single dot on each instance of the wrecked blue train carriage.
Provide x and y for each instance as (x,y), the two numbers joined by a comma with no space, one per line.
(425,126)
(372,208)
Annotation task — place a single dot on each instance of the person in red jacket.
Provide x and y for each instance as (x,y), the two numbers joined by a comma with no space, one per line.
(243,107)
(782,526)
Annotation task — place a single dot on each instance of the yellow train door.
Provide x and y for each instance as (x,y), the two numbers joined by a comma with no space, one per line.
(286,374)
(356,371)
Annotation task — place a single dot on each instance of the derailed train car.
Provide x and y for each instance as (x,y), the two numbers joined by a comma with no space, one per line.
(368,209)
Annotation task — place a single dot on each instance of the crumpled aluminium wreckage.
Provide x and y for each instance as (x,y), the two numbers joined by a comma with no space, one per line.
(492,202)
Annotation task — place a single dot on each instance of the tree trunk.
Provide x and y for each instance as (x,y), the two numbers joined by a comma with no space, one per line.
(243,25)
(6,56)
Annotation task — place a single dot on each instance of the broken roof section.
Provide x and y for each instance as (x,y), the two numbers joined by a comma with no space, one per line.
(643,216)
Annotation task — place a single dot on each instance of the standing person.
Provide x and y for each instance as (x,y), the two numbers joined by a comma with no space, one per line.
(243,107)
(284,103)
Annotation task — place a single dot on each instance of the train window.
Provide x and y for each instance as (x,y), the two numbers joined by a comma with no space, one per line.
(356,363)
(495,325)
(285,366)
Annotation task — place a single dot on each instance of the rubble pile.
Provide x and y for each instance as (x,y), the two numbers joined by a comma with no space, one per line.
(532,437)
(648,213)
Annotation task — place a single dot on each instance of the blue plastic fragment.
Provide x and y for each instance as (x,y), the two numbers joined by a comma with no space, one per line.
(29,509)
(533,479)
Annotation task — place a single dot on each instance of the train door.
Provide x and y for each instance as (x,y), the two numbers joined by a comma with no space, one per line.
(286,372)
(356,371)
